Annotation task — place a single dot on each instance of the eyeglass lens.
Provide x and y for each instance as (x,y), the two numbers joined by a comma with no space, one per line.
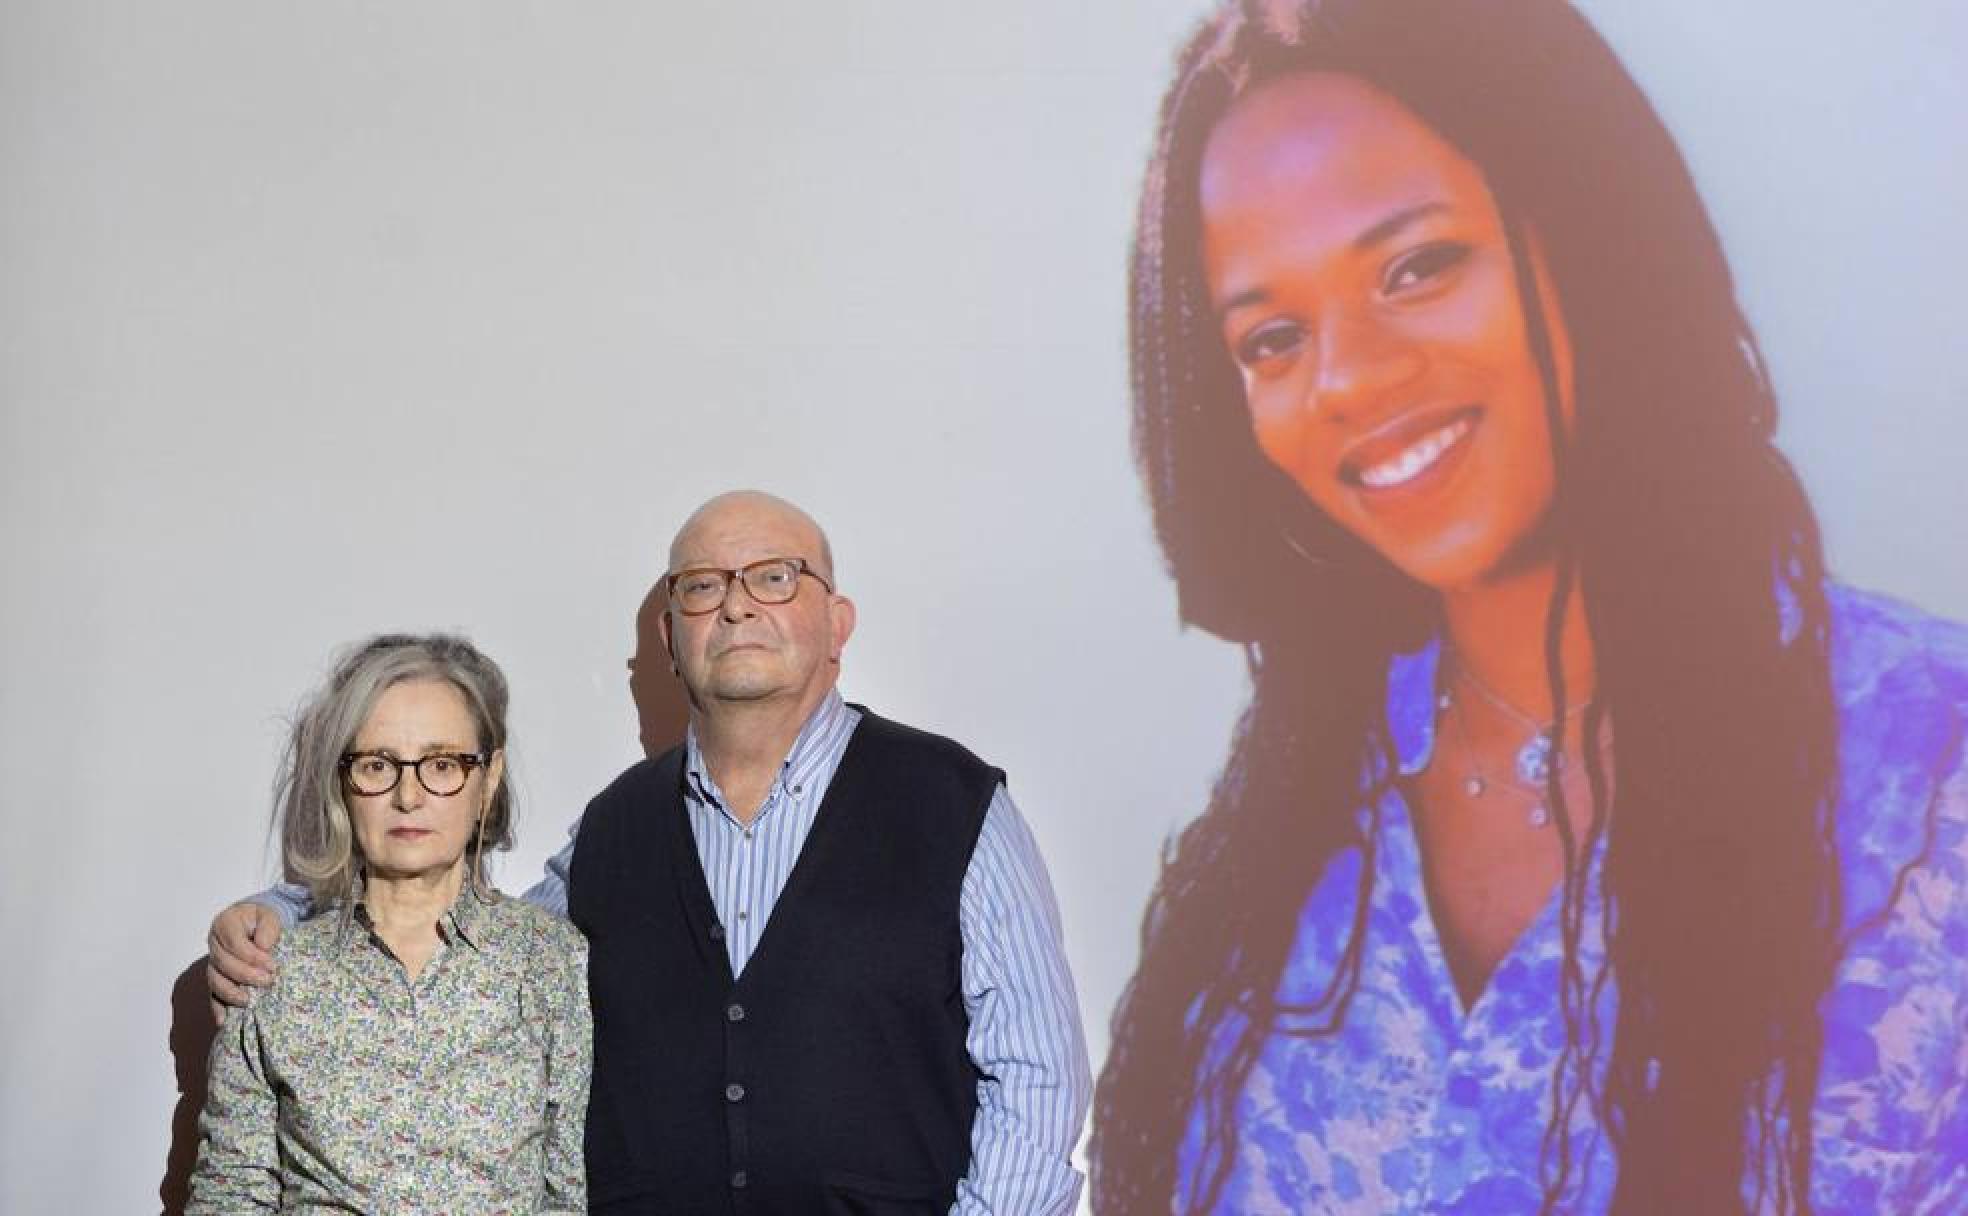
(440,773)
(769,582)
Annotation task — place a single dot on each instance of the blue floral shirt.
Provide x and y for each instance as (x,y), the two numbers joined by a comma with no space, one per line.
(1418,1106)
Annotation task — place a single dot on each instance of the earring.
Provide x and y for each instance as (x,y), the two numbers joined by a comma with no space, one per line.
(1291,542)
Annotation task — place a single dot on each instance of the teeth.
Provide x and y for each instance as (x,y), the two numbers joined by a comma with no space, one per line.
(1413,460)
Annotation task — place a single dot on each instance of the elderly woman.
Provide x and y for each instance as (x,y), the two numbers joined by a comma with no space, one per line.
(425,1045)
(1584,848)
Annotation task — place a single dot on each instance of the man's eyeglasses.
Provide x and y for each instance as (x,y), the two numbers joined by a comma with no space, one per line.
(772,581)
(442,773)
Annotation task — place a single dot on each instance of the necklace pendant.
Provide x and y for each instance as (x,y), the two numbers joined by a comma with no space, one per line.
(1537,759)
(1540,815)
(1473,785)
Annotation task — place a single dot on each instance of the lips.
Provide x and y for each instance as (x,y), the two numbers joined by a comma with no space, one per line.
(411,833)
(1410,452)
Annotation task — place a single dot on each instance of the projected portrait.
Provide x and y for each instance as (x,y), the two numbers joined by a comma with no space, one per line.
(1584,846)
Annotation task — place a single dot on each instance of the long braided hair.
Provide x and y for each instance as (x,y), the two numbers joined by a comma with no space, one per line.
(1676,519)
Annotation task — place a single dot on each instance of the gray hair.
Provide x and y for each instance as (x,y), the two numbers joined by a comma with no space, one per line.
(317,840)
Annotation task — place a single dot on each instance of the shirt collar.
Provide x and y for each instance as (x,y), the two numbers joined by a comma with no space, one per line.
(468,919)
(470,915)
(809,752)
(1411,705)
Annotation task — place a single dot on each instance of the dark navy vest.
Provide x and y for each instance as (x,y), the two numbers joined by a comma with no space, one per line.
(832,1076)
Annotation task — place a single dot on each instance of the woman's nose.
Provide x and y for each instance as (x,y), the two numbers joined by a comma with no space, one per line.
(1357,360)
(409,792)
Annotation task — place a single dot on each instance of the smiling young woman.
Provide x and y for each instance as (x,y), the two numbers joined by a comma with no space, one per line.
(1583,848)
(1365,288)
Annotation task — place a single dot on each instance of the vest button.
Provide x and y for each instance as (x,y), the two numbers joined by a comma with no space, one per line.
(734,1012)
(717,933)
(734,1092)
(738,1180)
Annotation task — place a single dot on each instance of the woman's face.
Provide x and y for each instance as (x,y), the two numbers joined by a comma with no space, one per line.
(410,831)
(1363,284)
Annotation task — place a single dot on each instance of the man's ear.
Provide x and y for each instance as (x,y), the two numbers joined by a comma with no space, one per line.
(664,625)
(841,611)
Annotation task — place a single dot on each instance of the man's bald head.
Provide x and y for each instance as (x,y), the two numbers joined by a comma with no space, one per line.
(746,652)
(752,512)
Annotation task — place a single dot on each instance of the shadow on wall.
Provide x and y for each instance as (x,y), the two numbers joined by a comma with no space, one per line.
(192,1031)
(661,709)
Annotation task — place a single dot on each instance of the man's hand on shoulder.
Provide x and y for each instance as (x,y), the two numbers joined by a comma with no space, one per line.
(239,953)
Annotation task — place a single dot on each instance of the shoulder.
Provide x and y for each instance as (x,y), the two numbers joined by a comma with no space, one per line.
(921,745)
(1900,681)
(1892,1019)
(313,941)
(303,961)
(1881,646)
(633,789)
(642,775)
(1006,863)
(544,937)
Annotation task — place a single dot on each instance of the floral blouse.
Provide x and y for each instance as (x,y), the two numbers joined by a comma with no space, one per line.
(1418,1106)
(345,1087)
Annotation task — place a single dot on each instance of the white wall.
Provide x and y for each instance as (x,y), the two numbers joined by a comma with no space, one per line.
(503,289)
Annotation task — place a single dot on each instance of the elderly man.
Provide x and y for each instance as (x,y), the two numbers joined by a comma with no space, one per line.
(825,959)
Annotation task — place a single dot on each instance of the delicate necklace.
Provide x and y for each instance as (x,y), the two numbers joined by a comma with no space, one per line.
(1536,760)
(1539,754)
(1477,782)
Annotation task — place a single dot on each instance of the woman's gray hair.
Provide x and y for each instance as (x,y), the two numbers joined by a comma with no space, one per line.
(317,840)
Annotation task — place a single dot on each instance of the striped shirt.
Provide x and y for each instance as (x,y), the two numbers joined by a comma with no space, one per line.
(1024,1034)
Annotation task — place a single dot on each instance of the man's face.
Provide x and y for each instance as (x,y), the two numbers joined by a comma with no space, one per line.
(745,651)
